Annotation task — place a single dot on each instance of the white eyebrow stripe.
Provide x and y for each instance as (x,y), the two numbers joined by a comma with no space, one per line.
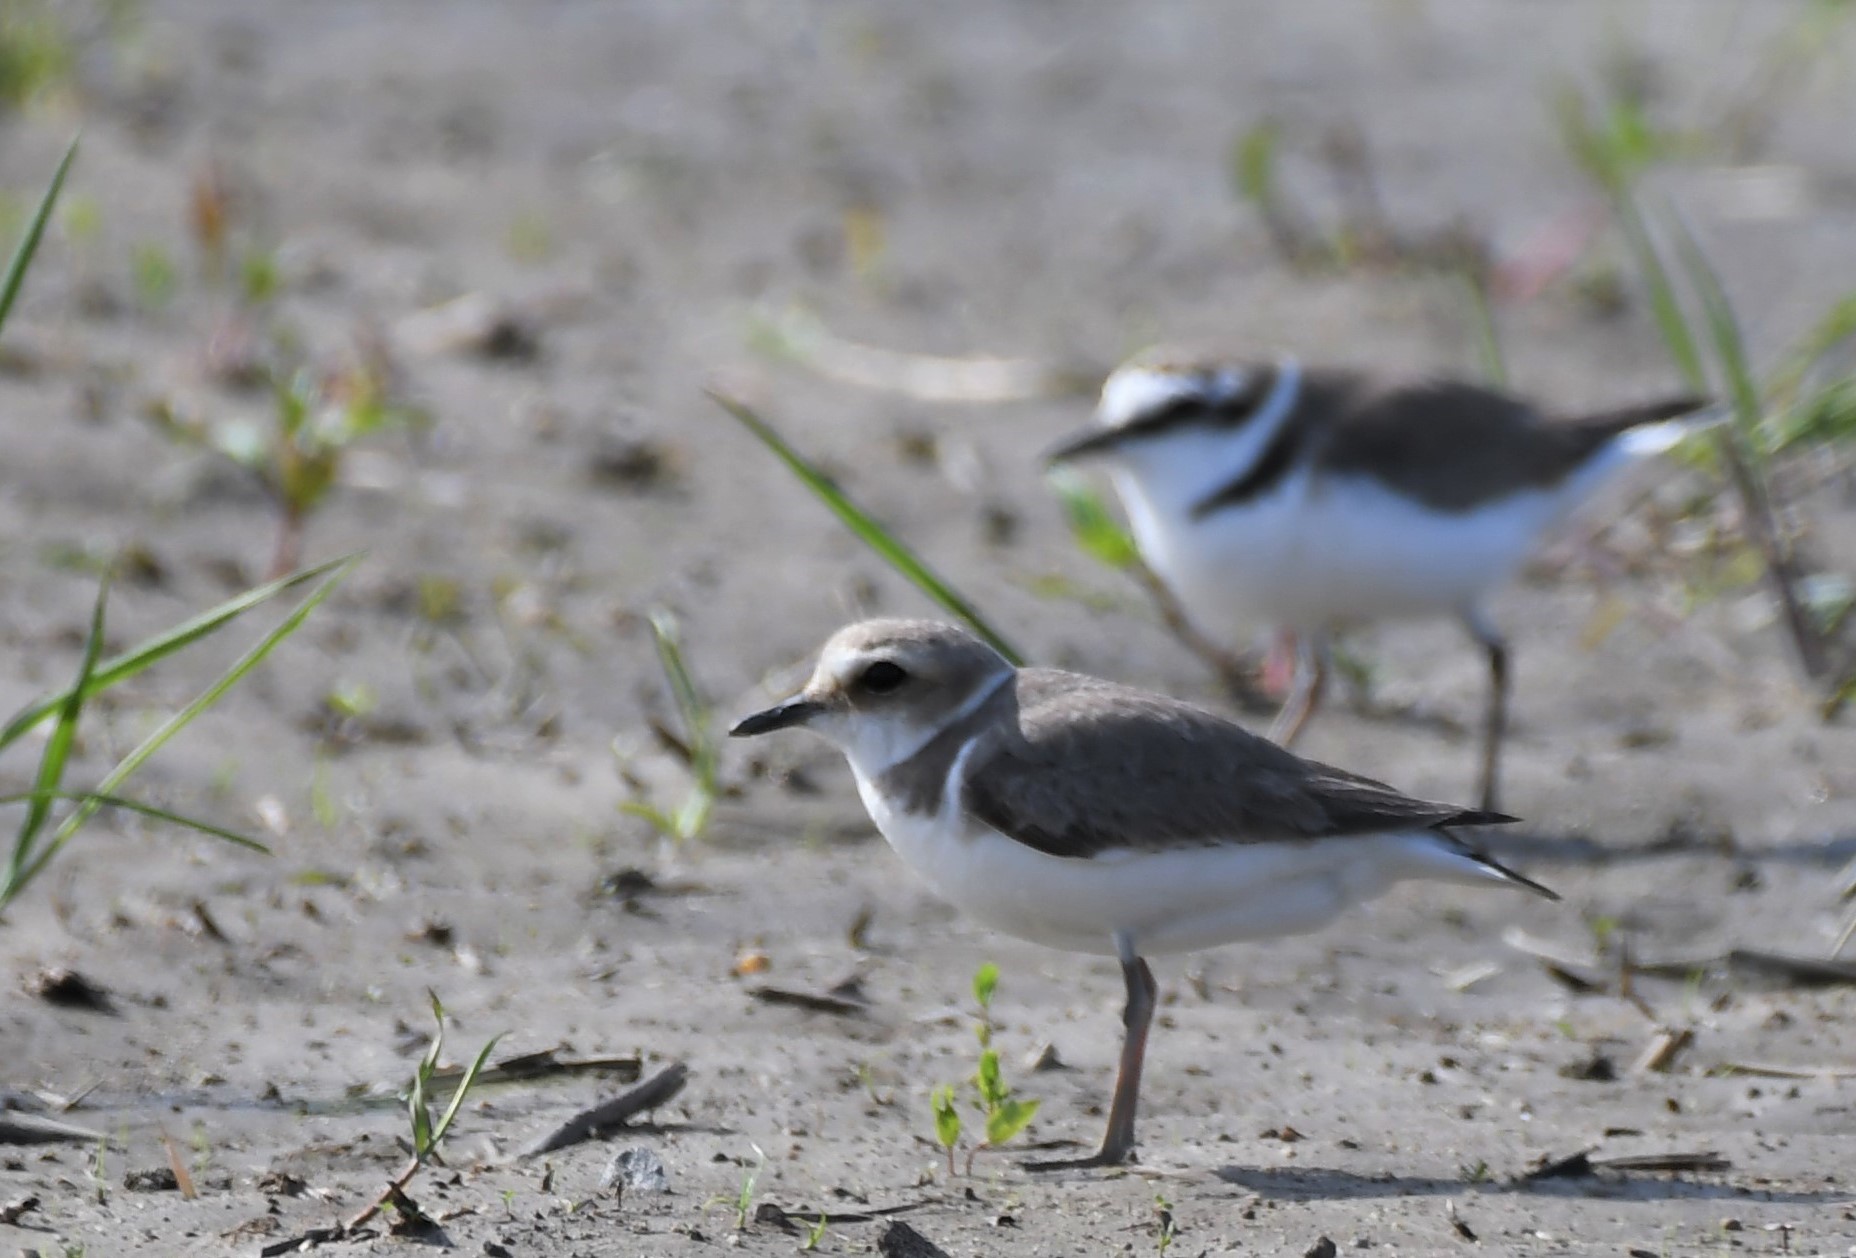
(1133,393)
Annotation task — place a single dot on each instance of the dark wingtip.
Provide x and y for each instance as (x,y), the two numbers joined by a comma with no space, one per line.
(1519,880)
(1639,413)
(1478,817)
(1676,407)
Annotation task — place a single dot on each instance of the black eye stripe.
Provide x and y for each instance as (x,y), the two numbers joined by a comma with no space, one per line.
(1230,411)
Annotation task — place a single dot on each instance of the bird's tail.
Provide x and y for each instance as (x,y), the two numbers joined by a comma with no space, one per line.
(1647,428)
(1451,857)
(1504,874)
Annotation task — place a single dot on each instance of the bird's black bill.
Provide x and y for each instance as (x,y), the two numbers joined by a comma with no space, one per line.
(796,711)
(1083,444)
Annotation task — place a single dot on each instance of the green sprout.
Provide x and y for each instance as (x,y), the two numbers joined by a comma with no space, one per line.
(946,1121)
(1166,1227)
(744,1196)
(428,1132)
(155,277)
(297,454)
(1005,1114)
(428,1135)
(1093,527)
(694,742)
(743,1201)
(36,52)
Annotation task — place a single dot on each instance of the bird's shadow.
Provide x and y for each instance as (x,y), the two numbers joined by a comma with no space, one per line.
(1314,1183)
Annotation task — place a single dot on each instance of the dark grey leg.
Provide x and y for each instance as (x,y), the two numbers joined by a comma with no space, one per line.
(1495,715)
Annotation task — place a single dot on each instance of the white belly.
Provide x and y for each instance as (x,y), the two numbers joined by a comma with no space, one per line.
(1319,552)
(1175,901)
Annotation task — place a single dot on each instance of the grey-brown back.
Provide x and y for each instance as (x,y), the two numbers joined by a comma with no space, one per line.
(1074,766)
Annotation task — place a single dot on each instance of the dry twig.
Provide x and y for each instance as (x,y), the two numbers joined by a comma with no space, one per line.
(611,1115)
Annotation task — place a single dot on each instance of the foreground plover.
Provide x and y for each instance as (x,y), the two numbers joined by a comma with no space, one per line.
(1095,818)
(1307,499)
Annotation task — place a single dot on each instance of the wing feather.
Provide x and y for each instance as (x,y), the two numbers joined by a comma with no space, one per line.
(1077,776)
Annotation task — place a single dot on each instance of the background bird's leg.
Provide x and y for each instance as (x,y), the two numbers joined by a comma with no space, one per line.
(1310,683)
(1495,715)
(1118,1141)
(1279,665)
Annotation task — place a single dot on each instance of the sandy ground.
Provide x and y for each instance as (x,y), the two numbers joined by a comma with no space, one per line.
(645,181)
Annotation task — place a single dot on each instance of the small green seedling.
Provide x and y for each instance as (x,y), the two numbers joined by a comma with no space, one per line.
(985,986)
(744,1197)
(315,419)
(153,275)
(428,1132)
(1004,1114)
(1093,527)
(816,1235)
(743,1201)
(946,1121)
(693,742)
(99,1173)
(37,55)
(1166,1228)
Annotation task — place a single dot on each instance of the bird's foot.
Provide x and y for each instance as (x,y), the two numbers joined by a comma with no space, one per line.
(1104,1157)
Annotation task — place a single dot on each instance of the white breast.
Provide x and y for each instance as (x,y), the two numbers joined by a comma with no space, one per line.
(1317,551)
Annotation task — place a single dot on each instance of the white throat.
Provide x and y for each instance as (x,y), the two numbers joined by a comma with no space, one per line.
(1162,478)
(874,745)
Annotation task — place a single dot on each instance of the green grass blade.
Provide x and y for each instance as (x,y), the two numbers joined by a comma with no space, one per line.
(1253,164)
(1837,325)
(181,719)
(464,1086)
(691,709)
(147,810)
(659,820)
(1092,525)
(866,529)
(1488,336)
(1723,326)
(35,230)
(57,753)
(122,667)
(1671,319)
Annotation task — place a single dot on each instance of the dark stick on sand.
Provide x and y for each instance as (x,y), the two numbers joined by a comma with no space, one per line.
(610,1115)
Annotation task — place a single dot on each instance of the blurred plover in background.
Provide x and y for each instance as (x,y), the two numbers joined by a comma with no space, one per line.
(1095,818)
(1307,499)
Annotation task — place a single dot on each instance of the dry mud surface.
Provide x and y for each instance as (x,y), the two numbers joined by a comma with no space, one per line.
(643,180)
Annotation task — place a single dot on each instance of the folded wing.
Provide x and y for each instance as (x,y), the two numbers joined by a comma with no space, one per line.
(1078,777)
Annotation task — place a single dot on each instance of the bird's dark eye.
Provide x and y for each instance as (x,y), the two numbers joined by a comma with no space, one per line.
(882,677)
